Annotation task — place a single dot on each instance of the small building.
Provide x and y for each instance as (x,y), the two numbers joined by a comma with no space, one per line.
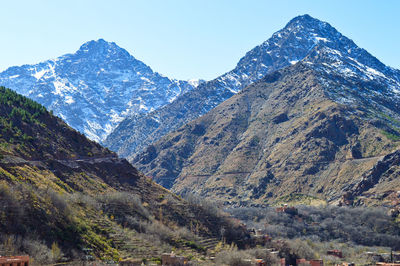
(396,256)
(286,209)
(172,259)
(335,252)
(14,261)
(131,262)
(376,257)
(255,262)
(310,262)
(259,262)
(316,262)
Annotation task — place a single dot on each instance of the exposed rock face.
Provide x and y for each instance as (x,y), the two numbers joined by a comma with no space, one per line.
(379,184)
(299,130)
(303,38)
(95,88)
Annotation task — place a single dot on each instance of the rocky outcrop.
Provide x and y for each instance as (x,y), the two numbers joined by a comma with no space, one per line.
(282,135)
(95,88)
(303,39)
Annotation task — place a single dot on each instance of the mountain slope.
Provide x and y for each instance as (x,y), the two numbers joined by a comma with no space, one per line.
(94,88)
(286,47)
(60,190)
(379,185)
(306,129)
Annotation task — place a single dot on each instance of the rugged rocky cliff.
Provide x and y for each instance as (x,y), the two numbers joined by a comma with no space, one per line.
(301,130)
(303,37)
(94,88)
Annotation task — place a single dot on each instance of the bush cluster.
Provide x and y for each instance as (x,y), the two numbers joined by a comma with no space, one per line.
(360,225)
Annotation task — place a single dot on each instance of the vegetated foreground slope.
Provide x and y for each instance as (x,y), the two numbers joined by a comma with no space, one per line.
(296,41)
(60,190)
(302,130)
(94,88)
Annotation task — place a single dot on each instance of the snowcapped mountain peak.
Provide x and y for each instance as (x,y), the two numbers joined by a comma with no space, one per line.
(301,36)
(307,22)
(196,82)
(94,88)
(303,40)
(306,32)
(285,47)
(307,27)
(103,48)
(95,45)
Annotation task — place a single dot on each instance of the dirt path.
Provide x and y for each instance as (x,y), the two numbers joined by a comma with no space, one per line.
(380,157)
(18,161)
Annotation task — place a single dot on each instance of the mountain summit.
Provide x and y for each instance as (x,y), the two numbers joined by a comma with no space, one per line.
(303,37)
(316,126)
(94,88)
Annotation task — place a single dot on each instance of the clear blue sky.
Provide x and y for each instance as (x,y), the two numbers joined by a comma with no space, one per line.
(185,38)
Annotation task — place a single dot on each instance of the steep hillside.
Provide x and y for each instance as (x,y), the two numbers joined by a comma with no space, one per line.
(296,41)
(65,197)
(307,130)
(379,185)
(94,88)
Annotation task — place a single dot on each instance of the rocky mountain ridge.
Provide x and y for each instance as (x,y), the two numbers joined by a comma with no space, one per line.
(94,88)
(303,37)
(305,130)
